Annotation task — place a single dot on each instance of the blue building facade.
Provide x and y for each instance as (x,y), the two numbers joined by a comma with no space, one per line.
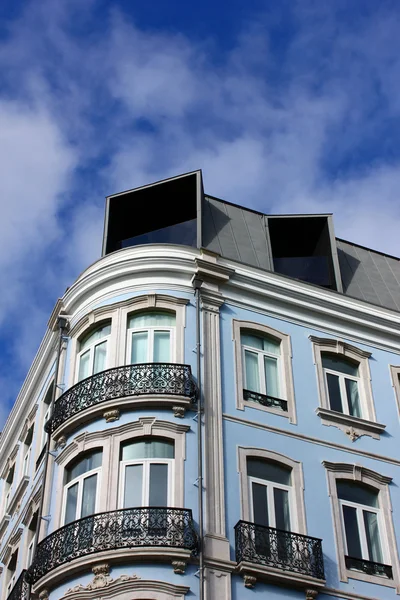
(213,413)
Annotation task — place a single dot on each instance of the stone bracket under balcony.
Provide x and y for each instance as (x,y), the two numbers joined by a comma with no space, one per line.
(105,394)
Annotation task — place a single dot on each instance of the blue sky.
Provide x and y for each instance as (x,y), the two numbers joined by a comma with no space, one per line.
(289,106)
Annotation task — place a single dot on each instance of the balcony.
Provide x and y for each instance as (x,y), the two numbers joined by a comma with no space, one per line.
(20,590)
(368,567)
(281,556)
(160,380)
(269,401)
(130,528)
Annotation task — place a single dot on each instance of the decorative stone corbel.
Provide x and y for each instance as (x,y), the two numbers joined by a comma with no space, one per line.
(111,415)
(101,576)
(179,566)
(311,594)
(61,442)
(353,434)
(249,581)
(179,411)
(44,594)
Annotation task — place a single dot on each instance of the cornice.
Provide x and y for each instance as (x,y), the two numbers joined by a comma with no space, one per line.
(358,472)
(339,346)
(18,494)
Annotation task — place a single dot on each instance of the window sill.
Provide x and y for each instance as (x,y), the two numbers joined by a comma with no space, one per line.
(4,524)
(377,579)
(354,427)
(17,496)
(251,573)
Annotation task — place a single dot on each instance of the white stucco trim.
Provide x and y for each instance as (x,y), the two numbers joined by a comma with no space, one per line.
(395,377)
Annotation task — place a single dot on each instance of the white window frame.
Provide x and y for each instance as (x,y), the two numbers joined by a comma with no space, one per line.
(271,485)
(395,377)
(284,360)
(79,480)
(91,348)
(25,461)
(146,462)
(261,369)
(29,551)
(358,473)
(352,426)
(150,344)
(342,386)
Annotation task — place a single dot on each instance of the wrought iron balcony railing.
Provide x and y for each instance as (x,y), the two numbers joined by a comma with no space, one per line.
(369,567)
(125,528)
(20,590)
(122,382)
(280,549)
(264,400)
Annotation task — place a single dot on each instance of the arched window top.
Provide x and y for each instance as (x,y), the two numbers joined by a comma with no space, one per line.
(94,335)
(143,448)
(151,318)
(359,493)
(82,464)
(339,363)
(260,342)
(269,470)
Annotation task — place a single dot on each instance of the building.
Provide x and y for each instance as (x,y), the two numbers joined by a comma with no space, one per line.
(221,398)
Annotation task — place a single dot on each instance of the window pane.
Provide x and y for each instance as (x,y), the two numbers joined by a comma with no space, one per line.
(260,504)
(353,397)
(352,533)
(335,399)
(161,346)
(100,353)
(282,516)
(252,374)
(89,496)
(372,533)
(139,348)
(84,366)
(95,335)
(269,471)
(154,448)
(261,343)
(337,363)
(72,497)
(87,463)
(355,492)
(271,376)
(151,319)
(133,486)
(158,495)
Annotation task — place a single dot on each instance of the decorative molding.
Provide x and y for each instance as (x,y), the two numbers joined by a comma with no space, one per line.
(354,427)
(31,507)
(311,594)
(249,581)
(4,524)
(358,472)
(61,442)
(278,576)
(340,347)
(10,461)
(129,586)
(11,545)
(111,415)
(44,595)
(179,411)
(29,421)
(179,566)
(15,502)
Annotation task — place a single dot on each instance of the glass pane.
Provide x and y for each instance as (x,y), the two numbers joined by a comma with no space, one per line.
(72,497)
(352,533)
(151,319)
(372,534)
(153,448)
(139,348)
(89,496)
(158,494)
(84,366)
(161,346)
(282,516)
(353,397)
(95,335)
(87,463)
(261,343)
(260,504)
(355,492)
(100,353)
(269,471)
(271,376)
(133,486)
(335,399)
(338,363)
(252,374)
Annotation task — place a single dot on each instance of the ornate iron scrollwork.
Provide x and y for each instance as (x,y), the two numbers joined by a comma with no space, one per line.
(125,528)
(122,382)
(20,590)
(280,549)
(264,400)
(369,567)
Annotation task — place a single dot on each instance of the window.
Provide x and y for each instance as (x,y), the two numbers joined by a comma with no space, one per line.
(80,490)
(46,411)
(151,337)
(146,473)
(263,369)
(344,384)
(8,487)
(365,538)
(27,452)
(92,357)
(31,539)
(11,573)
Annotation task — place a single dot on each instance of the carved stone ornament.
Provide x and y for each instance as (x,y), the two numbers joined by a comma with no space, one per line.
(311,594)
(179,411)
(61,442)
(179,567)
(111,415)
(44,595)
(101,580)
(249,581)
(352,433)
